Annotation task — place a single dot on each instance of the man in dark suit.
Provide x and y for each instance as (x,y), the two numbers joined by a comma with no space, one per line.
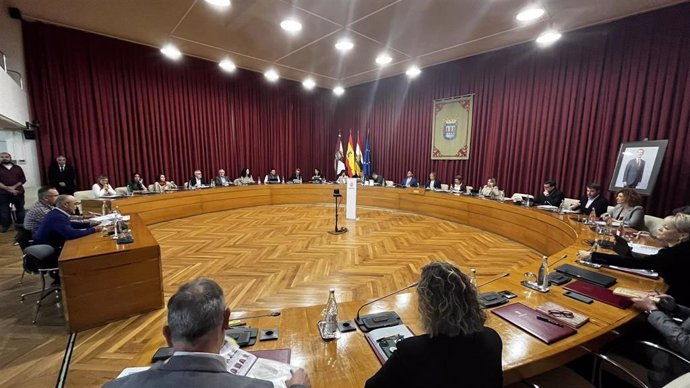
(62,176)
(197,180)
(551,195)
(410,180)
(56,227)
(634,170)
(433,183)
(592,201)
(197,319)
(378,179)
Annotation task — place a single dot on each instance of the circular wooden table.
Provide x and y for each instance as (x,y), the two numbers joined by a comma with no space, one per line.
(349,361)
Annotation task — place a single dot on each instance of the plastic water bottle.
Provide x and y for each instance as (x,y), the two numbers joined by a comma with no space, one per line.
(593,216)
(543,276)
(473,277)
(104,208)
(330,314)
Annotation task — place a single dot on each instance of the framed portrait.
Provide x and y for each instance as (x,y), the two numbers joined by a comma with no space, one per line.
(638,165)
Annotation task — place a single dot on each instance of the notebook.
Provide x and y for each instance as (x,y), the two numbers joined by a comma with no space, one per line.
(383,341)
(598,293)
(539,325)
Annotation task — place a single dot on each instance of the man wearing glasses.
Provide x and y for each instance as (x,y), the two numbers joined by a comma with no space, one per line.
(46,202)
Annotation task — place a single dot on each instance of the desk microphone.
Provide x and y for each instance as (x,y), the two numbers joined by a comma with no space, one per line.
(237,320)
(493,280)
(383,319)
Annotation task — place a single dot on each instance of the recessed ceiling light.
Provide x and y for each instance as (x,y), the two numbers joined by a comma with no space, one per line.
(309,84)
(383,59)
(338,90)
(413,71)
(344,45)
(291,25)
(227,65)
(170,51)
(530,14)
(548,37)
(271,75)
(219,3)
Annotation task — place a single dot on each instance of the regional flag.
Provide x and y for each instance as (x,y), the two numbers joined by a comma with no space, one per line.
(338,164)
(358,158)
(350,157)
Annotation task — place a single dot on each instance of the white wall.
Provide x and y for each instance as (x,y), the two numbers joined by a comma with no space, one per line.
(15,101)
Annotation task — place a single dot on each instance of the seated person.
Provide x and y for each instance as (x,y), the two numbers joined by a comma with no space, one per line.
(136,184)
(433,183)
(197,320)
(628,209)
(378,179)
(197,180)
(221,179)
(297,176)
(272,177)
(592,201)
(102,187)
(162,185)
(491,189)
(551,195)
(342,177)
(457,349)
(317,177)
(671,263)
(56,227)
(47,196)
(458,186)
(245,178)
(409,181)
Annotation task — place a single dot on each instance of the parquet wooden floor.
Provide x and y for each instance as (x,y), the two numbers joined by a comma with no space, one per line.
(264,258)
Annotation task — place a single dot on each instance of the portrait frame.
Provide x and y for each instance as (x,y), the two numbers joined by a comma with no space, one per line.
(640,172)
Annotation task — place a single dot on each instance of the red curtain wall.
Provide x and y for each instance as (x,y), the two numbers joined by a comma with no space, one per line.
(115,107)
(559,112)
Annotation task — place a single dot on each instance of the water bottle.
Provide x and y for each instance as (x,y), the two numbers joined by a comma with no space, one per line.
(473,277)
(592,216)
(543,276)
(104,208)
(561,208)
(330,314)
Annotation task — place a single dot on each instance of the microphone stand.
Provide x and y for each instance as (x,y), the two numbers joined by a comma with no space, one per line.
(370,322)
(337,205)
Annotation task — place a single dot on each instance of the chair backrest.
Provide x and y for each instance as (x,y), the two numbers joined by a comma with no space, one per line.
(568,202)
(23,237)
(444,187)
(609,209)
(35,257)
(82,195)
(151,187)
(390,183)
(518,196)
(121,190)
(653,224)
(682,381)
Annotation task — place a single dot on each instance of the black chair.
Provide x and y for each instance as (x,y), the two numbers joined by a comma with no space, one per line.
(24,239)
(39,260)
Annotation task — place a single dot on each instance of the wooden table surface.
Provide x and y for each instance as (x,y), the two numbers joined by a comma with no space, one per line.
(349,361)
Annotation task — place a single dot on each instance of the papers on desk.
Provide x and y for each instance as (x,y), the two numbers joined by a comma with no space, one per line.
(568,211)
(109,219)
(644,249)
(603,223)
(243,363)
(133,370)
(383,340)
(547,207)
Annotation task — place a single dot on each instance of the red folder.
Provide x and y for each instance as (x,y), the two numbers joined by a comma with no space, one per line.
(545,328)
(598,293)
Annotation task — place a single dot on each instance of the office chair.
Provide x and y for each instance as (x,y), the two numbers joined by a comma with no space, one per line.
(34,262)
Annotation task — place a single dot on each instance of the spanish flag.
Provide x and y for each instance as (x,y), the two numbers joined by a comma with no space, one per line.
(350,157)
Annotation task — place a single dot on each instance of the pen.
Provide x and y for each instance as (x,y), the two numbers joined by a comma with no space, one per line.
(539,317)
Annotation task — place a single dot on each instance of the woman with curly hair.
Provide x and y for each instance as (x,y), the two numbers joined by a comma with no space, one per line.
(457,349)
(628,209)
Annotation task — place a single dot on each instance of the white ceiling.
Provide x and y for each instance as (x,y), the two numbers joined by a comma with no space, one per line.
(420,32)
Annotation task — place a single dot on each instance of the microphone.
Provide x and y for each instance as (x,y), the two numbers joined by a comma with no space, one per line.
(237,321)
(370,322)
(493,280)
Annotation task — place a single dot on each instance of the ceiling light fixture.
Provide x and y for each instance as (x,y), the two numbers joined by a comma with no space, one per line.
(170,51)
(227,65)
(413,71)
(548,37)
(291,25)
(271,75)
(383,59)
(309,83)
(338,90)
(530,14)
(344,45)
(219,3)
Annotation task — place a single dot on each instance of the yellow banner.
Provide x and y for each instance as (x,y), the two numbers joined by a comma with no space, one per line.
(452,127)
